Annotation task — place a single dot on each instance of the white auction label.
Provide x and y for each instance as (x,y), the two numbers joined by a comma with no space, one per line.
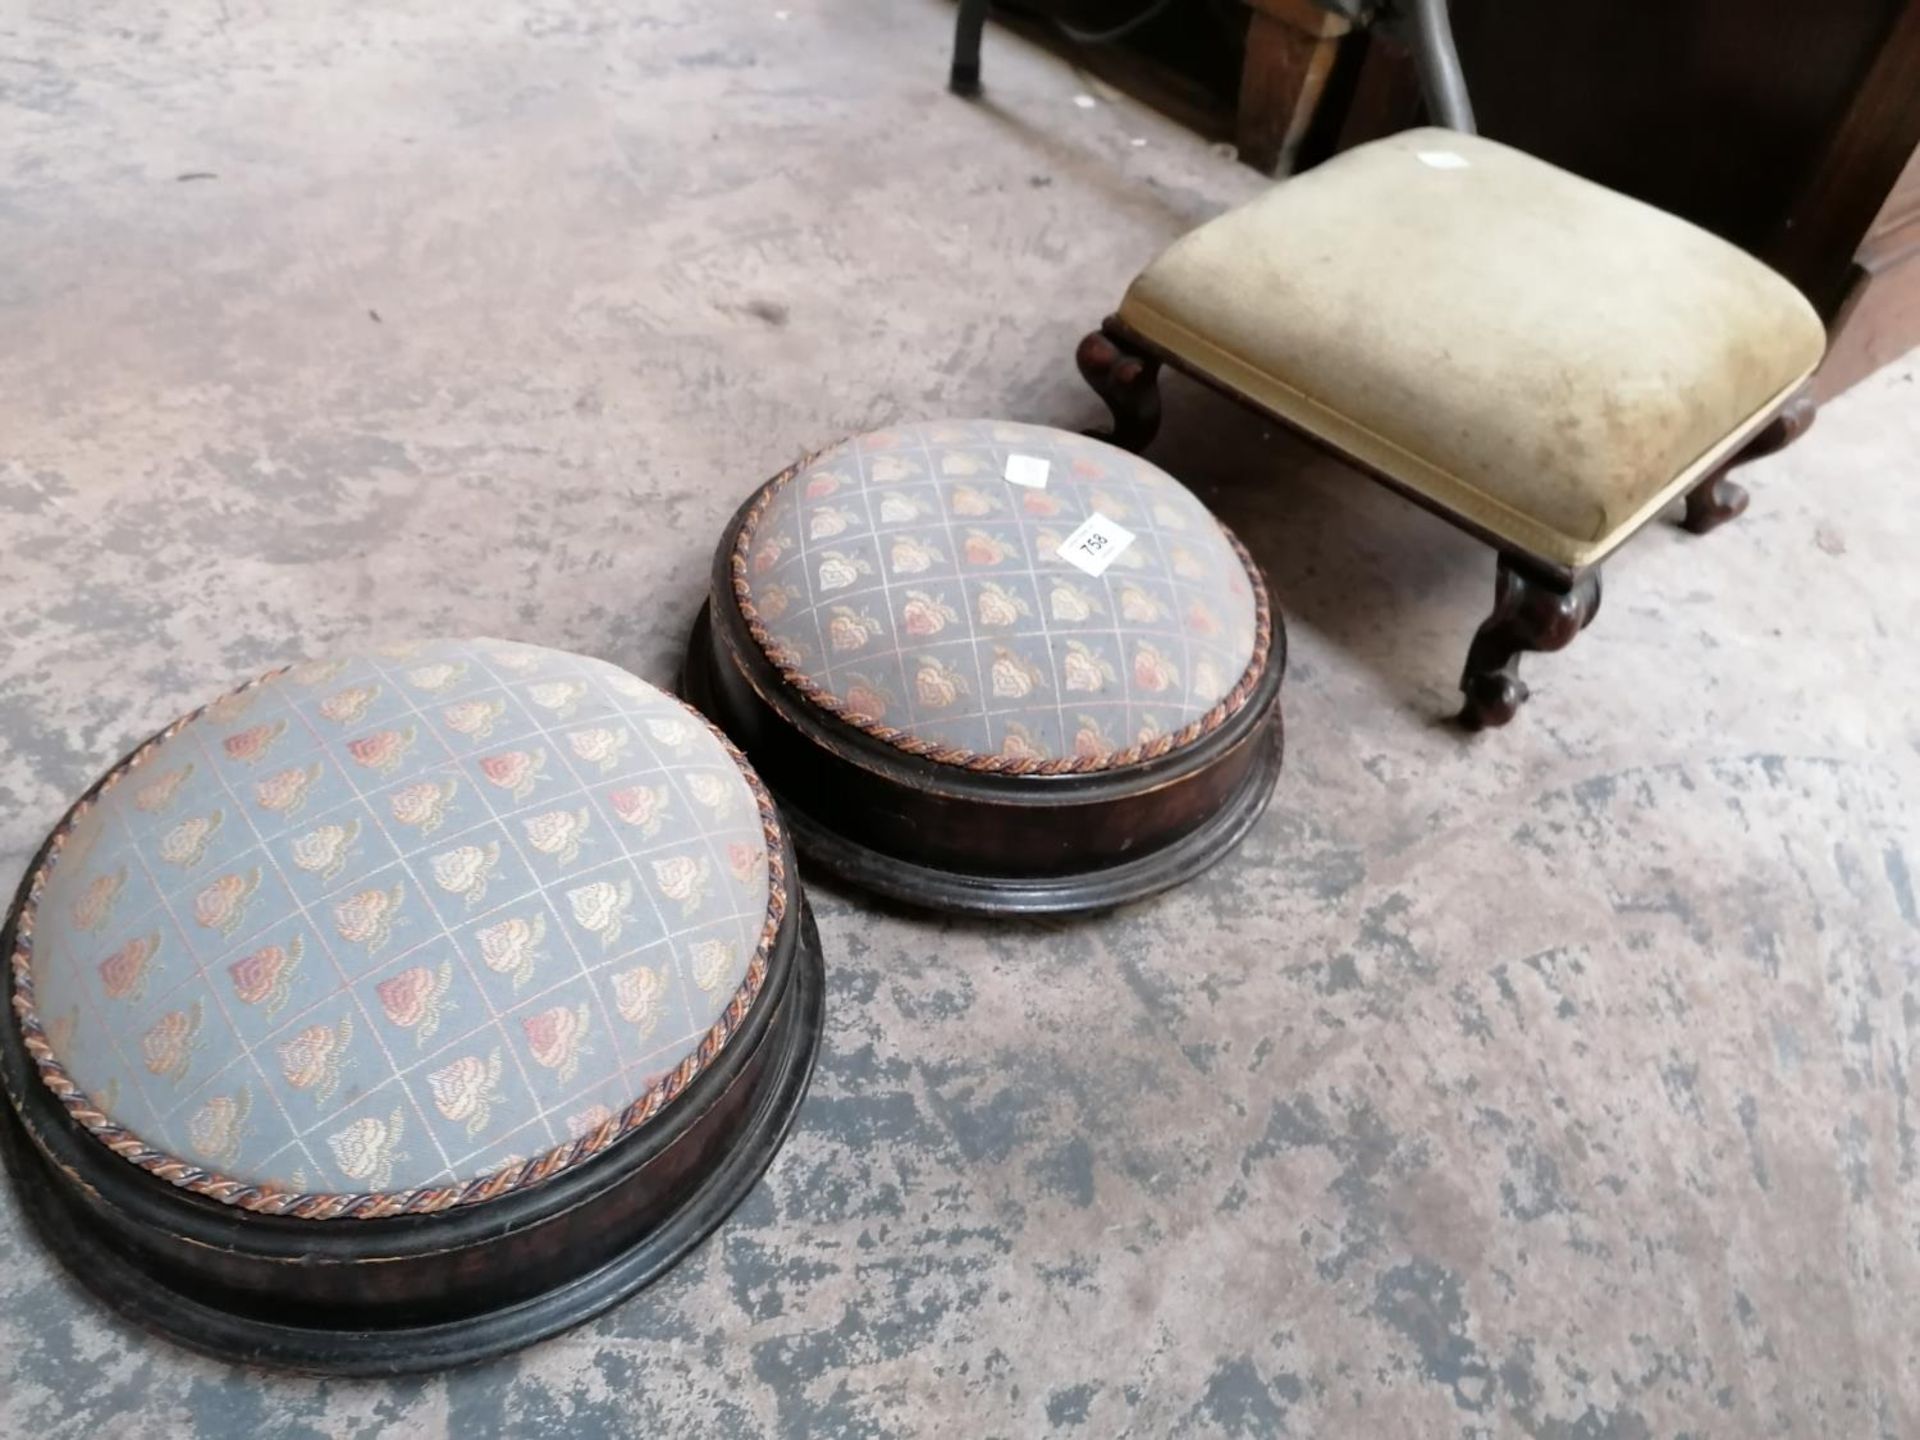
(1443,160)
(1027,470)
(1096,544)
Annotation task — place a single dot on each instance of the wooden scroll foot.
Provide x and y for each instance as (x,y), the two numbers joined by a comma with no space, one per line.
(1529,613)
(1717,499)
(1130,384)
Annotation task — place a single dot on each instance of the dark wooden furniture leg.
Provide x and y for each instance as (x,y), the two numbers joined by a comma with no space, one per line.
(1129,382)
(1291,47)
(964,78)
(1530,612)
(1716,500)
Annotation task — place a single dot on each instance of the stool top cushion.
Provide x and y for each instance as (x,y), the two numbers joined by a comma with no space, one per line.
(904,582)
(396,922)
(1543,357)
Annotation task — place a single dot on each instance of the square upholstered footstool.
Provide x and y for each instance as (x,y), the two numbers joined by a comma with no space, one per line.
(1541,361)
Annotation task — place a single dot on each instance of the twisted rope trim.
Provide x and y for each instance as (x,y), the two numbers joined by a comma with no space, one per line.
(783,661)
(265,1200)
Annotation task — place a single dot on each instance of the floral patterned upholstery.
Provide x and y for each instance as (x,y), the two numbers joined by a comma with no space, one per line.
(904,574)
(400,920)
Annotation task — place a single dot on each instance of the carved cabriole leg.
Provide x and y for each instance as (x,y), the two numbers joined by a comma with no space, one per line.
(1529,613)
(1716,500)
(1129,382)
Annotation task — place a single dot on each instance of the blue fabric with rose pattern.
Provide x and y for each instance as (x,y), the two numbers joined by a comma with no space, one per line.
(910,577)
(401,919)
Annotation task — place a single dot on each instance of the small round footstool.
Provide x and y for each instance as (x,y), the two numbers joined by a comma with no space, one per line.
(397,1010)
(994,668)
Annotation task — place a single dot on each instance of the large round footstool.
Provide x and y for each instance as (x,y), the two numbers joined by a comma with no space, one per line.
(995,668)
(397,1010)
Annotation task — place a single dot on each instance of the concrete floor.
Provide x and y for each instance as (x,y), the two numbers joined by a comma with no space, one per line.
(1553,1082)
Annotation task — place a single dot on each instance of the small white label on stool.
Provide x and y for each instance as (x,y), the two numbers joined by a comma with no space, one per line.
(1096,544)
(1027,470)
(1443,159)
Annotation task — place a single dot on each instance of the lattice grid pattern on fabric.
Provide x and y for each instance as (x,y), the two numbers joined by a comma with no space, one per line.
(907,574)
(401,919)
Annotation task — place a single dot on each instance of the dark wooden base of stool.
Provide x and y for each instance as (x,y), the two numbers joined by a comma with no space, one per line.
(117,1228)
(839,792)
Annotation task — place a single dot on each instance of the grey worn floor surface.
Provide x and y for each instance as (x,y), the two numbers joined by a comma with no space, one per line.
(1553,1083)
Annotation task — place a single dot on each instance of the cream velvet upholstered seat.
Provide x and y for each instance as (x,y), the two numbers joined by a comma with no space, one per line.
(1546,359)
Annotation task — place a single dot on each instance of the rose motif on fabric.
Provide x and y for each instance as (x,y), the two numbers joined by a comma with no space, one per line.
(910,555)
(1111,505)
(776,600)
(683,878)
(1013,677)
(157,794)
(959,463)
(822,484)
(217,1127)
(560,698)
(1186,564)
(313,1059)
(415,998)
(557,1038)
(1167,517)
(1207,682)
(264,977)
(937,684)
(1086,670)
(96,902)
(831,521)
(1153,671)
(436,678)
(1041,503)
(383,750)
(1138,605)
(767,553)
(367,918)
(514,659)
(673,731)
(865,700)
(1091,741)
(1201,620)
(972,503)
(838,570)
(285,792)
(123,974)
(849,629)
(642,806)
(467,1090)
(602,908)
(924,616)
(1068,602)
(324,851)
(997,605)
(248,746)
(512,946)
(898,509)
(558,833)
(712,790)
(587,1121)
(1019,743)
(713,962)
(639,995)
(890,469)
(349,706)
(981,549)
(366,1150)
(222,905)
(603,745)
(515,771)
(168,1046)
(186,844)
(744,861)
(424,804)
(474,719)
(465,870)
